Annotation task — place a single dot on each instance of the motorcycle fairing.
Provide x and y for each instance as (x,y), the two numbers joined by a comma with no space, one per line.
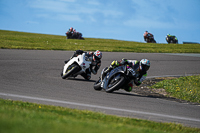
(81,61)
(120,69)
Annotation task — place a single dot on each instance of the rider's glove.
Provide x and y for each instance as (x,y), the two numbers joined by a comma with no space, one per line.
(114,64)
(124,61)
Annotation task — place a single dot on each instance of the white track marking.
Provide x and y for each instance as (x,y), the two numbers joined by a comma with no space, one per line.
(184,54)
(100,107)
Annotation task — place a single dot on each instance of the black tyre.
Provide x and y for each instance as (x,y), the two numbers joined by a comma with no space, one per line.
(71,71)
(115,85)
(97,85)
(152,40)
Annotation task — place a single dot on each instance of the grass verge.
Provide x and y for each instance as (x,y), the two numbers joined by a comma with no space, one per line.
(185,88)
(22,40)
(18,116)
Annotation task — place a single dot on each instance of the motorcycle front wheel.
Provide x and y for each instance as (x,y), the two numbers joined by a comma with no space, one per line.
(71,71)
(115,84)
(97,85)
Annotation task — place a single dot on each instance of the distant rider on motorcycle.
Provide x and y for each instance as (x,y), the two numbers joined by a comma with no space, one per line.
(77,35)
(140,68)
(69,33)
(95,57)
(171,38)
(147,36)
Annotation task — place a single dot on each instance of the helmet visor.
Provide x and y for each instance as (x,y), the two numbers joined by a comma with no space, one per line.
(145,67)
(96,58)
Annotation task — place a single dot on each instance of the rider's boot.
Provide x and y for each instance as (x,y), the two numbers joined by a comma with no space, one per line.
(86,76)
(128,87)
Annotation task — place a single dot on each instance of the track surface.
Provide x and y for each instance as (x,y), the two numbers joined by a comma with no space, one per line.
(34,75)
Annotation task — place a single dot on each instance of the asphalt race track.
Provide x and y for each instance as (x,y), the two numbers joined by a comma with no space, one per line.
(34,76)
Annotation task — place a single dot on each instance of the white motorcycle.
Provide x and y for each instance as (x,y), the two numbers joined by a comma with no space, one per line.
(76,66)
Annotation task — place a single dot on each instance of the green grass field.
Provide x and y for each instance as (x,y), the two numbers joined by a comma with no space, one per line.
(185,88)
(23,117)
(19,117)
(21,40)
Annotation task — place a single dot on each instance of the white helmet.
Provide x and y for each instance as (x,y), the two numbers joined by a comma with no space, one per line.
(144,64)
(97,55)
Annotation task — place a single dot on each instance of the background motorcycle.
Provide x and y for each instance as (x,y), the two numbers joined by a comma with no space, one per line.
(76,35)
(172,39)
(76,66)
(115,79)
(69,35)
(150,39)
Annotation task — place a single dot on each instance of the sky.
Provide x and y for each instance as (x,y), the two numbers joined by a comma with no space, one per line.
(108,19)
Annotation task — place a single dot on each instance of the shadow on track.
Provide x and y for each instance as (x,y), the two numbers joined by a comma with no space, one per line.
(78,79)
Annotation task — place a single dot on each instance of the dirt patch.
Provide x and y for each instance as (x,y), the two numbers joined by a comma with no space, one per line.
(145,90)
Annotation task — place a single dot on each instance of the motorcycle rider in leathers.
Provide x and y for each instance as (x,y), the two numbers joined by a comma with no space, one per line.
(95,57)
(69,33)
(140,67)
(171,37)
(147,36)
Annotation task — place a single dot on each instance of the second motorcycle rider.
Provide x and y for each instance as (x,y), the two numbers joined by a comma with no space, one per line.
(95,57)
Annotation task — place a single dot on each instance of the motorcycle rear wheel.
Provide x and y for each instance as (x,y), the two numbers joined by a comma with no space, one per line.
(116,85)
(68,73)
(97,85)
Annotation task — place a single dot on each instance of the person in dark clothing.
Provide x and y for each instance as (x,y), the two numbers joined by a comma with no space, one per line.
(148,37)
(69,33)
(171,38)
(141,67)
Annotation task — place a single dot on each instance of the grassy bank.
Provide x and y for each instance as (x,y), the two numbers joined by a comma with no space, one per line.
(22,40)
(22,117)
(185,88)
